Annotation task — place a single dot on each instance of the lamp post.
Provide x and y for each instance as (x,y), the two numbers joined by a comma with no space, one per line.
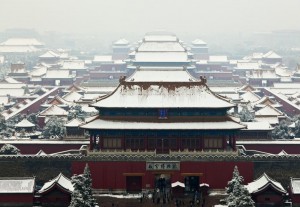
(162,145)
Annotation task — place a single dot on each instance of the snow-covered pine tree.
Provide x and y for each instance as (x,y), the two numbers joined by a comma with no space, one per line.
(54,127)
(238,195)
(245,115)
(8,149)
(236,178)
(77,112)
(281,131)
(77,194)
(88,186)
(82,195)
(245,199)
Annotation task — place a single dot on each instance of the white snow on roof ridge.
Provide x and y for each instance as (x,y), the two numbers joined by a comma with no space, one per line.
(262,182)
(249,96)
(74,123)
(109,124)
(24,123)
(61,180)
(122,41)
(295,185)
(198,42)
(72,96)
(168,75)
(54,110)
(268,110)
(198,96)
(271,54)
(17,185)
(22,42)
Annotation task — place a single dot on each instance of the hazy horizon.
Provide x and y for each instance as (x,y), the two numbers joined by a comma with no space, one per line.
(133,18)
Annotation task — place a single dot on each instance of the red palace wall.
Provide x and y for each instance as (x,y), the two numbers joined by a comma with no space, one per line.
(274,148)
(26,199)
(267,198)
(112,175)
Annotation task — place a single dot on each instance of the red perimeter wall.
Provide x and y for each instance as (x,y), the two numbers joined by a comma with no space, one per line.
(110,175)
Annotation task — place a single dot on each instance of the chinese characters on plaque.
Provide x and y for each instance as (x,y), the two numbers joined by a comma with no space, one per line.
(163,166)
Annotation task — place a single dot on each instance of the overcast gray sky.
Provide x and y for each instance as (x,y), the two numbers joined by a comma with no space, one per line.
(137,17)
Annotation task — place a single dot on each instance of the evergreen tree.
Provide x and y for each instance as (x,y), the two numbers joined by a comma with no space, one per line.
(77,112)
(54,128)
(8,149)
(281,131)
(236,178)
(245,115)
(82,195)
(238,195)
(296,120)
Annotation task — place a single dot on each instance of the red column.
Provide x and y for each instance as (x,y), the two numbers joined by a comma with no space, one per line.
(91,143)
(224,142)
(99,143)
(233,142)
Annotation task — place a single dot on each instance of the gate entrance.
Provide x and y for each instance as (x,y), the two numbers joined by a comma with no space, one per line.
(191,184)
(133,184)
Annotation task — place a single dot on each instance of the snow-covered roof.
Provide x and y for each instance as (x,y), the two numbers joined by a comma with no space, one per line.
(257,74)
(246,88)
(264,182)
(57,74)
(273,120)
(160,38)
(54,111)
(10,80)
(74,123)
(1,59)
(161,46)
(72,96)
(40,153)
(161,75)
(203,185)
(177,184)
(3,100)
(18,49)
(121,42)
(74,64)
(38,72)
(109,124)
(257,55)
(295,185)
(17,185)
(61,181)
(103,58)
(24,123)
(57,100)
(199,42)
(155,96)
(161,57)
(219,58)
(272,55)
(258,126)
(86,108)
(247,66)
(283,72)
(22,42)
(266,101)
(282,152)
(49,54)
(249,96)
(268,110)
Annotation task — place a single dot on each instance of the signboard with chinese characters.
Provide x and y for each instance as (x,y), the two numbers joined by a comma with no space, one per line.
(162,165)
